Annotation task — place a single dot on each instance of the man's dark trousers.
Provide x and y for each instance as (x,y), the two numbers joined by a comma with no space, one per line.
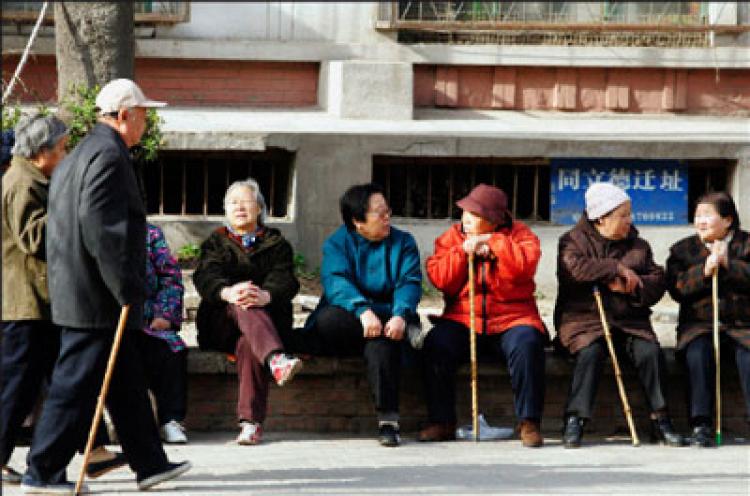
(71,401)
(29,351)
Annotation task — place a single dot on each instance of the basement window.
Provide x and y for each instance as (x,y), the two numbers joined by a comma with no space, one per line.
(193,183)
(428,187)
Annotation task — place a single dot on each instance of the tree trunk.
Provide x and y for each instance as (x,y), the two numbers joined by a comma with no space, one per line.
(95,44)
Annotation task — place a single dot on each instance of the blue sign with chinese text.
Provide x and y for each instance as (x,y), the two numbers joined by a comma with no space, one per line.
(658,188)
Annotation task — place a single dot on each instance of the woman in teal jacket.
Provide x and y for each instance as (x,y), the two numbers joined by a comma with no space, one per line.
(372,283)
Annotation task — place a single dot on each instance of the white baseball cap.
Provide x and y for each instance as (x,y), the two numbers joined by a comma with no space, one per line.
(123,93)
(602,198)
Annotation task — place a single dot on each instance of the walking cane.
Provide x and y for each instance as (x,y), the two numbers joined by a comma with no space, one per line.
(717,357)
(102,395)
(473,353)
(616,366)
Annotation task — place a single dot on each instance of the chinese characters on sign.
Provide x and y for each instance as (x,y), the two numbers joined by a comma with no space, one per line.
(658,188)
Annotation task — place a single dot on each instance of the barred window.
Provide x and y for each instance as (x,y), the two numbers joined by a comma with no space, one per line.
(194,182)
(428,187)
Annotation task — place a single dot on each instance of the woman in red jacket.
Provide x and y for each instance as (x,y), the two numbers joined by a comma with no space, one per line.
(507,319)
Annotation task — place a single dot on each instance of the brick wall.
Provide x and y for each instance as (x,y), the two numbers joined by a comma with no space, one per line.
(636,90)
(192,82)
(332,395)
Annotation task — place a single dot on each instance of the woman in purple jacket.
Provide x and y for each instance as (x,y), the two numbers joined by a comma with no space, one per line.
(163,350)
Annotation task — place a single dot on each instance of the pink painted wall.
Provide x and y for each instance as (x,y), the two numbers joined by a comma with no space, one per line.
(638,90)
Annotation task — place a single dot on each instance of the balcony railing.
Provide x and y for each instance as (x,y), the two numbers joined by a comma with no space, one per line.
(145,12)
(550,16)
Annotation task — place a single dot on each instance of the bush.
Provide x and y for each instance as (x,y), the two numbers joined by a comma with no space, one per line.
(81,117)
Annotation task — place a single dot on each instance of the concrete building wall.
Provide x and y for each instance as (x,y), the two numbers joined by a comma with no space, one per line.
(326,165)
(335,22)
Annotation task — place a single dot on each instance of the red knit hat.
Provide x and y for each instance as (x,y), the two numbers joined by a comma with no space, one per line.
(488,202)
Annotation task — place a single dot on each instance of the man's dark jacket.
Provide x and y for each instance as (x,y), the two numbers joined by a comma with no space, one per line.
(96,235)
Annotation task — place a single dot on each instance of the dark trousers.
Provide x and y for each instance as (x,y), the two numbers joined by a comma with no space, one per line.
(166,376)
(646,357)
(698,356)
(71,400)
(258,339)
(340,333)
(29,351)
(447,346)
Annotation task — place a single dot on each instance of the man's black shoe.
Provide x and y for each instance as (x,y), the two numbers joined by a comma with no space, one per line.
(169,472)
(97,469)
(663,431)
(573,431)
(388,435)
(702,436)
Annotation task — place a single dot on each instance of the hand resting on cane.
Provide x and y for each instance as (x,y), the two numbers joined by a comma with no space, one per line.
(718,258)
(477,244)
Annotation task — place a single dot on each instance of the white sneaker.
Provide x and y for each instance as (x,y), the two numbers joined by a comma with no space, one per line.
(251,433)
(173,432)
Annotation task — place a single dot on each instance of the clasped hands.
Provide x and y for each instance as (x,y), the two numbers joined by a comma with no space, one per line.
(718,258)
(373,328)
(246,295)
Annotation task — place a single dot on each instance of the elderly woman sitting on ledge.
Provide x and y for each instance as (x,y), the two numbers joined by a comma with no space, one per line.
(371,287)
(246,281)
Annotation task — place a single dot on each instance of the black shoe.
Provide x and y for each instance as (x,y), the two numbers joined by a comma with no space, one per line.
(97,469)
(169,472)
(702,436)
(573,431)
(662,431)
(388,435)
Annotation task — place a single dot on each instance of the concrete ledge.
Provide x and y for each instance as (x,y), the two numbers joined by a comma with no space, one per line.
(210,362)
(333,395)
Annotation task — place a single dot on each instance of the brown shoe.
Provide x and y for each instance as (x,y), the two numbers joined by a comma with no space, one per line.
(437,432)
(531,437)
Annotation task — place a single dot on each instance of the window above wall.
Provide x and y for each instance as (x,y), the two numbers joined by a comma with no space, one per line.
(191,184)
(661,24)
(428,187)
(145,12)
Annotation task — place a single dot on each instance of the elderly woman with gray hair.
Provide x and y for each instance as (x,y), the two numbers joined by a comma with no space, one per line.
(246,281)
(30,339)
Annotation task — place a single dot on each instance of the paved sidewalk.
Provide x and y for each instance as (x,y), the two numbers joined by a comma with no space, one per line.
(291,463)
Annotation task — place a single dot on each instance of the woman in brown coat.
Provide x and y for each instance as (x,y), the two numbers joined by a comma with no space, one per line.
(246,282)
(604,250)
(719,244)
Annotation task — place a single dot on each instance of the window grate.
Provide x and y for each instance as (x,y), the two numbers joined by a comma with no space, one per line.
(193,183)
(428,187)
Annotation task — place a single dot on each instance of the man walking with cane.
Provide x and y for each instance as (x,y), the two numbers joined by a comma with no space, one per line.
(96,264)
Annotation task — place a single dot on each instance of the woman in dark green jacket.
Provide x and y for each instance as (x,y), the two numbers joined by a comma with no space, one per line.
(246,282)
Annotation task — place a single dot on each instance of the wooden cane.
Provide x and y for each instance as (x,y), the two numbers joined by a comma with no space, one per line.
(473,353)
(102,395)
(717,356)
(616,365)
